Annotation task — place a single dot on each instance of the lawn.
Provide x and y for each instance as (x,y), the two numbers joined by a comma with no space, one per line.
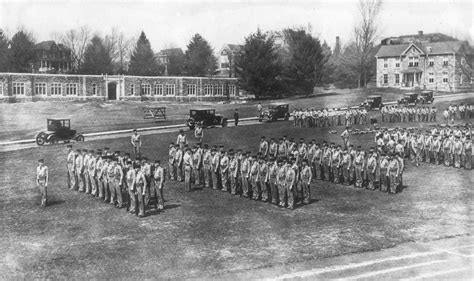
(208,232)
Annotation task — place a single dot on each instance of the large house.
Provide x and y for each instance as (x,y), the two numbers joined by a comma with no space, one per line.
(226,60)
(425,61)
(52,58)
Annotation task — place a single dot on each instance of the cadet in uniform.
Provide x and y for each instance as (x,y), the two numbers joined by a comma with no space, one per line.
(206,161)
(130,179)
(105,178)
(178,163)
(358,165)
(384,162)
(136,141)
(215,168)
(245,173)
(92,163)
(306,176)
(272,179)
(291,179)
(336,160)
(80,170)
(467,152)
(272,148)
(140,187)
(263,147)
(326,161)
(254,169)
(371,169)
(233,173)
(447,148)
(346,167)
(71,166)
(87,183)
(159,178)
(345,137)
(281,182)
(181,140)
(188,168)
(198,132)
(68,165)
(224,169)
(197,166)
(316,160)
(263,178)
(393,173)
(42,181)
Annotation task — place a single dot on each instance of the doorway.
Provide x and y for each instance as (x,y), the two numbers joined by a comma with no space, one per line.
(112,91)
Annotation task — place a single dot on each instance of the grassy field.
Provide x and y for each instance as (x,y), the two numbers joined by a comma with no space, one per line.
(208,232)
(24,120)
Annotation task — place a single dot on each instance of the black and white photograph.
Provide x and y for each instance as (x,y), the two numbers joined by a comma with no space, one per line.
(236,140)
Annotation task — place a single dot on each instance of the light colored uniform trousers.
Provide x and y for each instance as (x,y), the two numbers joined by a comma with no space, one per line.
(282,193)
(255,187)
(141,199)
(80,181)
(172,171)
(72,178)
(44,191)
(394,181)
(87,182)
(290,192)
(187,178)
(383,180)
(207,176)
(233,184)
(306,191)
(133,198)
(103,188)
(215,179)
(159,194)
(245,186)
(273,190)
(93,184)
(264,190)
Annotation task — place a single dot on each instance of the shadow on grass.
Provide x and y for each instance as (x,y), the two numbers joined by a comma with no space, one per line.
(155,212)
(55,202)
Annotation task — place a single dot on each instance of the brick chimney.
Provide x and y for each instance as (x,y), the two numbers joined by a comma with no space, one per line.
(420,33)
(337,48)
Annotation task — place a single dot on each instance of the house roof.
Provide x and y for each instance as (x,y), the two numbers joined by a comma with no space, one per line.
(437,48)
(48,45)
(424,37)
(171,52)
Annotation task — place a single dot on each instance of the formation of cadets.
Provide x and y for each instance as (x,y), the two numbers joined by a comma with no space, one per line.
(116,179)
(329,117)
(396,113)
(443,144)
(275,174)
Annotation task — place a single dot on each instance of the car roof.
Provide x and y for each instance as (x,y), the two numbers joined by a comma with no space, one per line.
(278,103)
(374,96)
(409,94)
(59,119)
(202,109)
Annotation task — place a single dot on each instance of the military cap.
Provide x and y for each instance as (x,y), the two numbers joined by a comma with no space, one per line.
(248,152)
(157,161)
(98,153)
(213,149)
(239,150)
(99,150)
(145,158)
(41,160)
(281,139)
(91,151)
(359,147)
(135,130)
(69,146)
(214,146)
(84,150)
(271,159)
(272,138)
(181,130)
(262,137)
(206,146)
(231,153)
(138,159)
(188,149)
(129,162)
(106,148)
(78,150)
(221,146)
(305,161)
(231,150)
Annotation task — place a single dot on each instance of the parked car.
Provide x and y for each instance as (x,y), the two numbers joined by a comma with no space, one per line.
(207,117)
(58,130)
(372,102)
(408,98)
(275,111)
(426,97)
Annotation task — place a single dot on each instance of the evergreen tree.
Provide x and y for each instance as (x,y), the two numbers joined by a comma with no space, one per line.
(96,58)
(199,58)
(258,66)
(4,53)
(304,63)
(142,60)
(22,52)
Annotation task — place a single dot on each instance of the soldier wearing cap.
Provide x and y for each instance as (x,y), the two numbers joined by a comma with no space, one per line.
(110,179)
(197,165)
(263,147)
(436,149)
(92,163)
(447,150)
(345,137)
(140,184)
(291,180)
(336,161)
(358,166)
(467,152)
(206,165)
(281,182)
(136,141)
(181,140)
(254,169)
(42,178)
(215,162)
(98,174)
(171,160)
(159,180)
(272,148)
(326,161)
(245,173)
(148,177)
(457,152)
(263,179)
(233,172)
(105,179)
(393,173)
(384,162)
(69,165)
(87,185)
(80,170)
(130,180)
(224,170)
(282,148)
(178,163)
(198,132)
(371,169)
(346,163)
(306,176)
(272,179)
(316,162)
(188,169)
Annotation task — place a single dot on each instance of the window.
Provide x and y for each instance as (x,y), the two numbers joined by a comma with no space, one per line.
(431,62)
(56,89)
(397,62)
(207,90)
(385,63)
(445,77)
(158,90)
(385,78)
(417,59)
(410,61)
(445,61)
(1,89)
(218,90)
(431,77)
(71,89)
(40,89)
(170,89)
(146,90)
(397,78)
(413,61)
(95,89)
(18,88)
(192,89)
(132,89)
(232,90)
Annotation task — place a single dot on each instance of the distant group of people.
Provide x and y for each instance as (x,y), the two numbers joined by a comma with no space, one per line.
(329,117)
(443,144)
(116,179)
(395,114)
(458,112)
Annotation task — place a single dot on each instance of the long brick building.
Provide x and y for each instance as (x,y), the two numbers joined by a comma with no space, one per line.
(424,61)
(20,87)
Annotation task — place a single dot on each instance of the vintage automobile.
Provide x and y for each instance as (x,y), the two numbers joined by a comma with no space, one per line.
(58,130)
(207,117)
(426,97)
(408,98)
(372,102)
(275,111)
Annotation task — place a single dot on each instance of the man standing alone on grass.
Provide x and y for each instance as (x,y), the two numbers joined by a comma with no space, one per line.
(136,141)
(42,181)
(181,140)
(236,117)
(171,159)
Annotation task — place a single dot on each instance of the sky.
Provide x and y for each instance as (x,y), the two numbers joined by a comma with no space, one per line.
(172,24)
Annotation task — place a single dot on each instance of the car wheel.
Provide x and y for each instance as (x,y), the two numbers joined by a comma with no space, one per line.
(40,139)
(190,123)
(53,140)
(224,123)
(80,138)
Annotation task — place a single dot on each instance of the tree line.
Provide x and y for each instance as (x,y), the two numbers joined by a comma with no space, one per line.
(268,64)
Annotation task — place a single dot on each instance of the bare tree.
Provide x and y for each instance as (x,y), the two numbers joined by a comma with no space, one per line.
(118,47)
(365,34)
(76,40)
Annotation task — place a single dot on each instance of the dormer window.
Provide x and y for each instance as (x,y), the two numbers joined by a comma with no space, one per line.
(385,63)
